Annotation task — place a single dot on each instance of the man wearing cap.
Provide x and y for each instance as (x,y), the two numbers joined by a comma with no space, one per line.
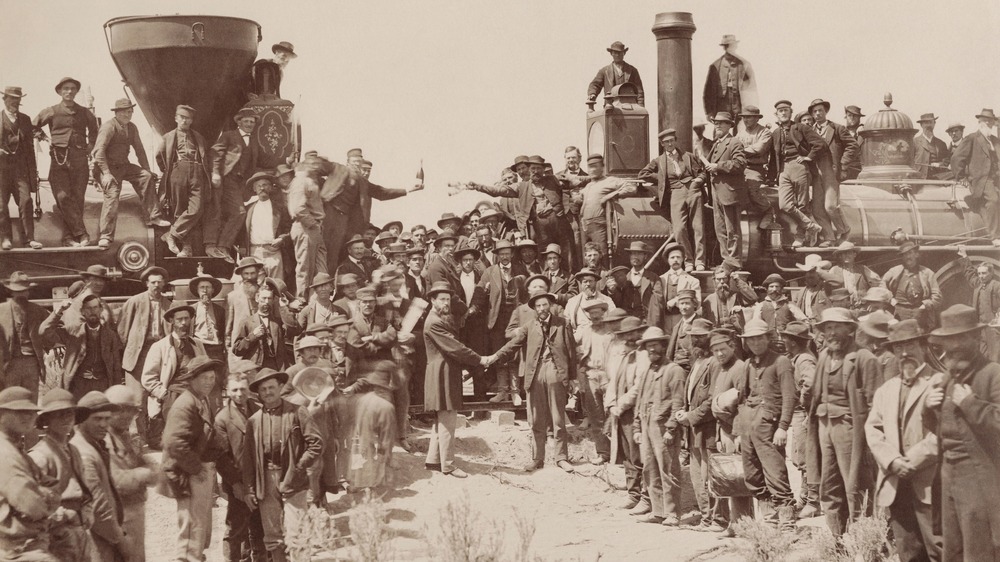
(903,444)
(931,155)
(963,406)
(837,404)
(72,132)
(106,533)
(914,287)
(575,313)
(186,161)
(956,131)
(616,73)
(235,159)
(267,228)
(795,150)
(976,161)
(59,463)
(601,190)
(261,336)
(283,442)
(266,74)
(190,449)
(131,472)
(756,141)
(308,213)
(680,178)
(663,311)
(767,394)
(798,346)
(552,267)
(22,347)
(91,359)
(111,167)
(18,170)
(659,395)
(372,335)
(688,324)
(731,82)
(24,533)
(725,165)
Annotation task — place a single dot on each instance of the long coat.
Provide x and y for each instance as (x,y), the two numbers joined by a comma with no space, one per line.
(728,181)
(926,151)
(239,305)
(699,421)
(972,160)
(111,350)
(34,315)
(133,324)
(301,446)
(231,428)
(607,79)
(106,530)
(445,358)
(160,368)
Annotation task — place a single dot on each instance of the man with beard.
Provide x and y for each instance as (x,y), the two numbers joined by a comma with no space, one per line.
(732,294)
(321,307)
(499,292)
(698,426)
(485,243)
(353,262)
(663,310)
(140,325)
(837,404)
(965,407)
(798,346)
(985,299)
(931,155)
(905,448)
(91,358)
(347,289)
(443,382)
(914,287)
(575,312)
(857,278)
(241,301)
(767,393)
(22,347)
(474,332)
(261,336)
(185,159)
(267,228)
(18,170)
(372,335)
(443,268)
(795,148)
(305,205)
(774,309)
(813,298)
(114,140)
(637,282)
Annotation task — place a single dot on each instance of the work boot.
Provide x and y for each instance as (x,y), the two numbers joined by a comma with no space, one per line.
(171,243)
(217,252)
(500,397)
(786,517)
(641,508)
(630,503)
(185,251)
(104,243)
(34,245)
(765,510)
(809,511)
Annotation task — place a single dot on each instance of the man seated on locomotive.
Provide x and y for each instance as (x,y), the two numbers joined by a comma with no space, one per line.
(932,155)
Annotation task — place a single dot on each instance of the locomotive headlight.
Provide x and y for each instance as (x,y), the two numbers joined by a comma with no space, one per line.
(133,257)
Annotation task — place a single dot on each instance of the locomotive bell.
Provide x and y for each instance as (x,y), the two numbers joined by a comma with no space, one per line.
(887,151)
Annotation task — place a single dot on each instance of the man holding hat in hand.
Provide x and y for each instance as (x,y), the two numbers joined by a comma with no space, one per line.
(234,160)
(115,139)
(616,73)
(18,170)
(72,132)
(282,442)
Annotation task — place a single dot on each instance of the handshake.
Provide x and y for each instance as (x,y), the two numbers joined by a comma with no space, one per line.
(487,360)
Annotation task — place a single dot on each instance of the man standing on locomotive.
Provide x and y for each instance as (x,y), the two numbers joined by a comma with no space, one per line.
(186,162)
(976,161)
(235,160)
(18,169)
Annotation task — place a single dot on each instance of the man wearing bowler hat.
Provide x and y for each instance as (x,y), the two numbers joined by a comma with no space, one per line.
(190,449)
(725,165)
(837,404)
(72,132)
(282,442)
(731,82)
(22,347)
(843,151)
(266,74)
(680,178)
(931,155)
(115,139)
(964,408)
(906,449)
(234,160)
(914,287)
(18,170)
(976,161)
(795,148)
(616,73)
(186,161)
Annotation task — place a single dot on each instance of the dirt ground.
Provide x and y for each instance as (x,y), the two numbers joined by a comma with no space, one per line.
(575,516)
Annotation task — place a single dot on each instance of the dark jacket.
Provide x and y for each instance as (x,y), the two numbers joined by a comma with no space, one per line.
(247,346)
(229,150)
(972,160)
(776,393)
(728,181)
(133,324)
(808,142)
(489,294)
(559,340)
(111,349)
(699,421)
(607,79)
(18,140)
(926,152)
(231,428)
(660,393)
(281,223)
(167,152)
(34,316)
(657,170)
(842,145)
(301,446)
(446,356)
(523,193)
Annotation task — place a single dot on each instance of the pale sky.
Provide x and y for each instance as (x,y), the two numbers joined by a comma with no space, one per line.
(466,86)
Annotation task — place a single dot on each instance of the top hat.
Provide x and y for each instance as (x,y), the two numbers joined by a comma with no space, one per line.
(836,314)
(815,102)
(321,279)
(958,319)
(755,327)
(246,263)
(986,114)
(439,287)
(618,46)
(284,46)
(98,271)
(638,246)
(630,324)
(193,284)
(751,111)
(854,110)
(927,117)
(18,281)
(13,92)
(652,333)
(266,374)
(122,104)
(728,39)
(723,116)
(395,248)
(67,79)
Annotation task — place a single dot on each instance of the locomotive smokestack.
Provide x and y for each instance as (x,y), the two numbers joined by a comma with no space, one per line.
(673,31)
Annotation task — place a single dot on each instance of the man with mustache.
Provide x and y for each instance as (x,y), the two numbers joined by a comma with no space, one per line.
(985,299)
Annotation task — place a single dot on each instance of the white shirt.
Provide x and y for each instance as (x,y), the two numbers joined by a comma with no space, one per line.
(635,276)
(262,223)
(204,324)
(246,138)
(468,285)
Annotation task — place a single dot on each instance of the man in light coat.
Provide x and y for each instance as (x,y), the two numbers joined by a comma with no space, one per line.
(140,325)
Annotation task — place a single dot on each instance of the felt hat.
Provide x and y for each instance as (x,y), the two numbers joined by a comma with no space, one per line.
(346,279)
(312,382)
(366,293)
(614,315)
(448,217)
(154,270)
(384,236)
(439,287)
(91,403)
(284,46)
(673,247)
(197,366)
(720,337)
(17,398)
(638,246)
(13,92)
(122,104)
(813,261)
(548,282)
(630,324)
(728,39)
(844,247)
(390,272)
(536,160)
(755,327)
(75,288)
(652,333)
(876,324)
(488,214)
(534,298)
(418,250)
(502,244)
(878,294)
(815,102)
(245,366)
(618,46)
(595,304)
(686,294)
(355,153)
(958,319)
(121,395)
(595,158)
(797,329)
(586,272)
(185,110)
(74,81)
(723,116)
(55,400)
(840,294)
(904,331)
(836,314)
(774,278)
(337,320)
(354,239)
(954,126)
(526,243)
(18,281)
(751,111)
(667,133)
(398,224)
(381,375)
(466,250)
(782,103)
(617,269)
(553,249)
(244,112)
(854,110)
(267,374)
(247,262)
(908,245)
(520,159)
(308,341)
(259,176)
(176,307)
(445,237)
(927,117)
(321,279)
(98,271)
(283,169)
(700,327)
(193,284)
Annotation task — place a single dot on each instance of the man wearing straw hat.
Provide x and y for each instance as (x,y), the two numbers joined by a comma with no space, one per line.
(956,131)
(115,139)
(965,406)
(616,73)
(18,170)
(235,159)
(905,447)
(59,462)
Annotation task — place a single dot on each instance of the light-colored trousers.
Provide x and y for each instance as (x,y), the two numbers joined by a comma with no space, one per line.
(280,516)
(442,434)
(194,516)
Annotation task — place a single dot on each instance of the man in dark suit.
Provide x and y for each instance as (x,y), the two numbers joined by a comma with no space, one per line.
(186,162)
(372,335)
(353,262)
(843,148)
(726,162)
(261,336)
(731,83)
(18,170)
(235,158)
(976,161)
(474,333)
(500,290)
(956,131)
(931,155)
(550,365)
(616,73)
(442,268)
(271,246)
(91,358)
(795,149)
(21,343)
(416,281)
(680,178)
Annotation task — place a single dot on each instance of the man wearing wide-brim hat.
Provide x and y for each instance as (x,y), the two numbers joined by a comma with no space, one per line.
(837,404)
(731,82)
(272,246)
(72,134)
(22,347)
(20,179)
(931,156)
(756,141)
(956,131)
(116,137)
(266,74)
(914,287)
(617,73)
(975,161)
(209,324)
(798,341)
(856,277)
(901,437)
(965,405)
(587,280)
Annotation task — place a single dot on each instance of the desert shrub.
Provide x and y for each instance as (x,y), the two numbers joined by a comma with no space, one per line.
(315,532)
(369,530)
(762,542)
(465,535)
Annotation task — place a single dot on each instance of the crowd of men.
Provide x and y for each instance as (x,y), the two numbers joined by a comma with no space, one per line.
(301,383)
